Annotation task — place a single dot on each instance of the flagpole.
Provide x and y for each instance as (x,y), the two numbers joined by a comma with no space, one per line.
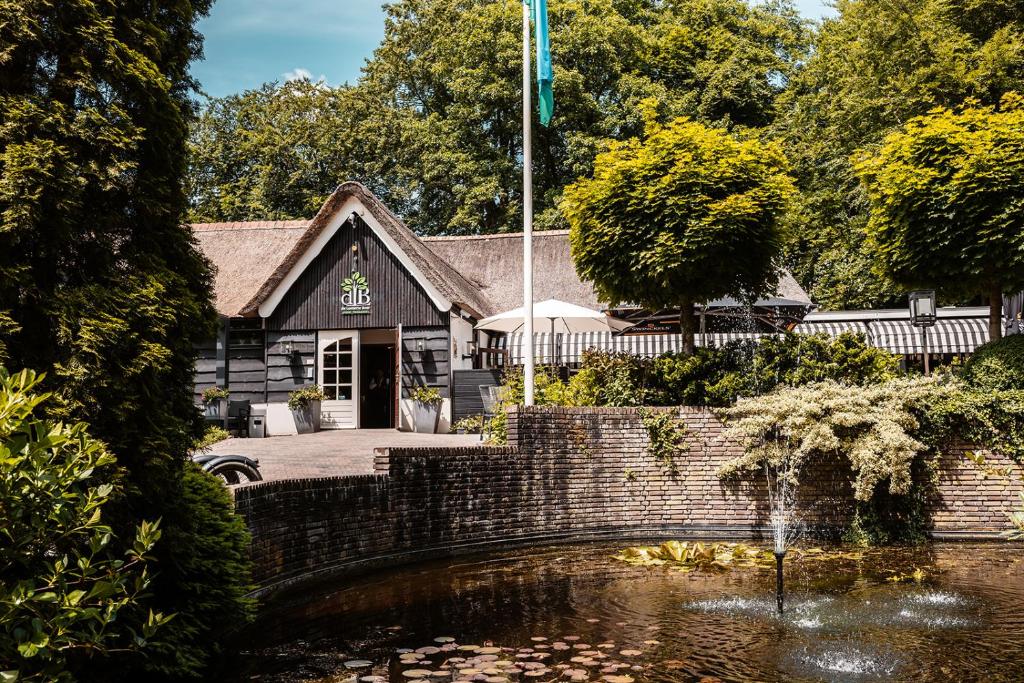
(527,214)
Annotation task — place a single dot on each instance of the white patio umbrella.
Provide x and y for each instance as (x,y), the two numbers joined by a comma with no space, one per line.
(558,316)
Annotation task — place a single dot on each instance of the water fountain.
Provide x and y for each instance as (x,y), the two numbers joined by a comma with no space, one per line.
(782,481)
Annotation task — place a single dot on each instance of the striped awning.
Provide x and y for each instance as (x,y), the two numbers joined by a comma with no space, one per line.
(948,336)
(569,348)
(832,329)
(542,348)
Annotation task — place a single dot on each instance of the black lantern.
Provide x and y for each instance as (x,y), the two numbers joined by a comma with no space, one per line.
(922,308)
(922,314)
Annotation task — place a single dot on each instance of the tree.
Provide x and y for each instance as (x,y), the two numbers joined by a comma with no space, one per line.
(67,593)
(101,284)
(434,125)
(947,202)
(876,65)
(687,215)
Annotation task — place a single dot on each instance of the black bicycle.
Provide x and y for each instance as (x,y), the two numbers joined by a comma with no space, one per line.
(232,469)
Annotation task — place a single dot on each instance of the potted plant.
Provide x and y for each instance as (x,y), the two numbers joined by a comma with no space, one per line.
(215,403)
(469,425)
(305,406)
(426,409)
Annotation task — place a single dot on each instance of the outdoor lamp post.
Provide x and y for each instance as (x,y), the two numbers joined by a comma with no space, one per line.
(922,314)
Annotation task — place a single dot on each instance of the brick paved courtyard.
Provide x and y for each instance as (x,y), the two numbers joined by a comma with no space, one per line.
(330,453)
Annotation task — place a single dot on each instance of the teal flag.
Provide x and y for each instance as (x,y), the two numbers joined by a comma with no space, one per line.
(545,75)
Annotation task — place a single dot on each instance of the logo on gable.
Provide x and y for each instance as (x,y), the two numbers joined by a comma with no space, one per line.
(355,294)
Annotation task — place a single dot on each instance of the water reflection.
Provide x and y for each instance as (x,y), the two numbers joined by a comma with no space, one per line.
(845,621)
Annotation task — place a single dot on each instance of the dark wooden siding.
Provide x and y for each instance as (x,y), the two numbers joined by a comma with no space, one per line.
(314,301)
(466,384)
(429,366)
(210,368)
(246,360)
(288,372)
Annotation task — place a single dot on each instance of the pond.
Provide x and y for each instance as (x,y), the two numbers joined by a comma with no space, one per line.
(939,612)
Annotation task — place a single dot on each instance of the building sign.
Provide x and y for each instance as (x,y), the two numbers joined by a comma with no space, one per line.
(355,294)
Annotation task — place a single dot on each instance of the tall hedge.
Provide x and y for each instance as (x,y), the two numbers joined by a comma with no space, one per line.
(101,284)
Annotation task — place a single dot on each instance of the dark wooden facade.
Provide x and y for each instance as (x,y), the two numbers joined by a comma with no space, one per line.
(263,360)
(314,301)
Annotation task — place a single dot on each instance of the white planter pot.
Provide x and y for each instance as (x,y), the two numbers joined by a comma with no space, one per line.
(216,409)
(425,417)
(307,419)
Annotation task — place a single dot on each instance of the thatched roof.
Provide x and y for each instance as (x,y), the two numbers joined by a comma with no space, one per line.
(482,274)
(244,256)
(252,258)
(495,264)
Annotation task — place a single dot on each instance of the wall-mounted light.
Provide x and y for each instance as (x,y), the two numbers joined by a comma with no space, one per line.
(287,348)
(419,345)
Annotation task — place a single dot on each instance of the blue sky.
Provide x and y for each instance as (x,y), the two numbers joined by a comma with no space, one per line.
(250,42)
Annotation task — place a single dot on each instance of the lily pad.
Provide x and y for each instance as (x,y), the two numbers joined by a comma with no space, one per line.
(444,639)
(631,653)
(417,673)
(429,650)
(358,663)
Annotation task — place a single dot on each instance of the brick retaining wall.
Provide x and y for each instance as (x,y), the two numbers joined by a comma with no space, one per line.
(571,473)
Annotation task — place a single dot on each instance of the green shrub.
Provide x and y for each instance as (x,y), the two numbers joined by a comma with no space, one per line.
(212,435)
(719,376)
(212,394)
(428,396)
(997,366)
(67,591)
(300,398)
(207,546)
(471,424)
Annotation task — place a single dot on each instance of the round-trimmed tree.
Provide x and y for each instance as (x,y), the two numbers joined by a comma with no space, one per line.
(947,202)
(685,216)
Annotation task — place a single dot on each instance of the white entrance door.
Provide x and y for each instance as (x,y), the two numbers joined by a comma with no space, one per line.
(339,377)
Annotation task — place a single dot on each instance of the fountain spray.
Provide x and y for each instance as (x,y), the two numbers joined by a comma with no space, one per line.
(781,495)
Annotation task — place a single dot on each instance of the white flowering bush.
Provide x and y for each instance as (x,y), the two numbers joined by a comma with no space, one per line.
(874,427)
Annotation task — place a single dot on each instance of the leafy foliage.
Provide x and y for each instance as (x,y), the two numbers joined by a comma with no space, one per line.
(208,549)
(997,366)
(212,394)
(687,556)
(873,67)
(434,125)
(666,437)
(67,592)
(300,398)
(101,283)
(428,396)
(687,215)
(873,427)
(945,195)
(212,435)
(719,376)
(879,429)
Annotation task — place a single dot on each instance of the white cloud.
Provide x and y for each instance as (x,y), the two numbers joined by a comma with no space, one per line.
(298,74)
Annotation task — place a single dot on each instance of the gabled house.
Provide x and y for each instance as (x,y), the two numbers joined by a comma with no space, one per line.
(354,301)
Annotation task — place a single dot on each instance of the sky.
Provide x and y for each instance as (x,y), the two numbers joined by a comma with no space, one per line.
(251,42)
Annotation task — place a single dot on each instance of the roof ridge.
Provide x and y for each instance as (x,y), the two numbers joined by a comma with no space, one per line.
(488,236)
(250,225)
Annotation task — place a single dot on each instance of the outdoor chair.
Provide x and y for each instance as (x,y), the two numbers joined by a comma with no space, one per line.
(238,416)
(489,402)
